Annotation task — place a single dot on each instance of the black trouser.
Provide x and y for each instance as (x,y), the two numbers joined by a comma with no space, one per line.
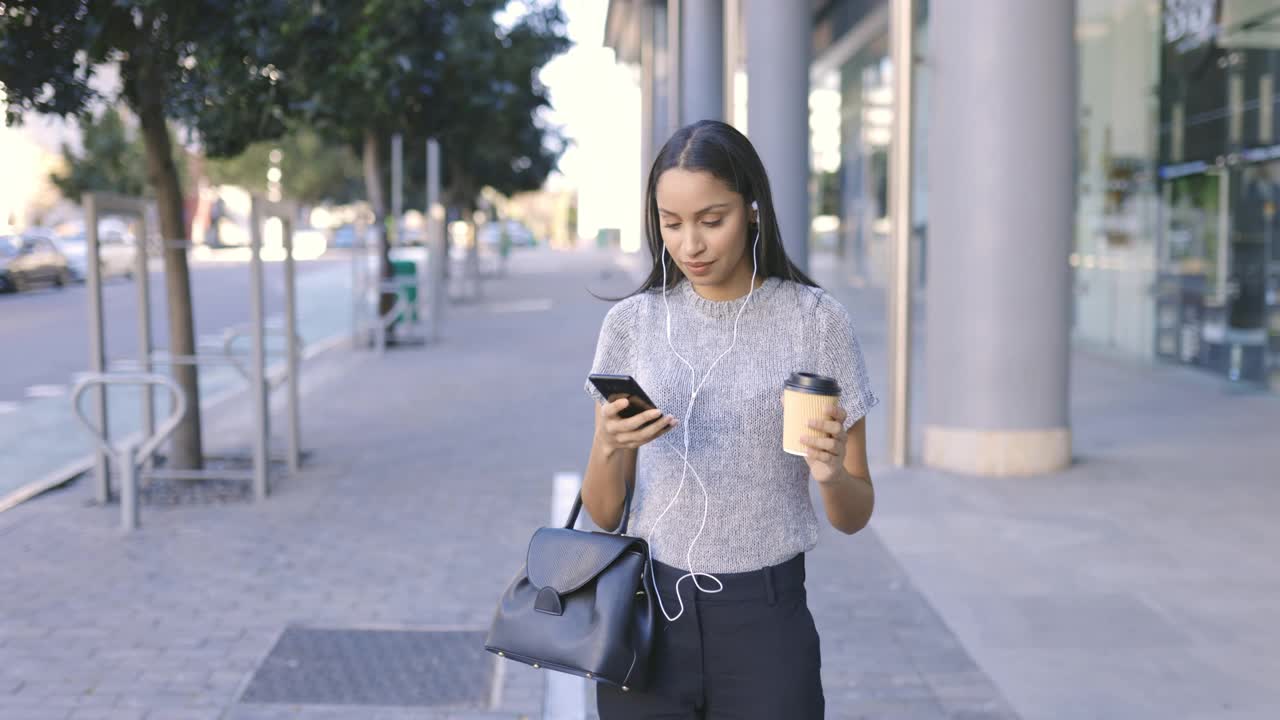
(750,651)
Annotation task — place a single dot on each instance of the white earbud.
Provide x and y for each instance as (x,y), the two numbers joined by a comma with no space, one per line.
(693,395)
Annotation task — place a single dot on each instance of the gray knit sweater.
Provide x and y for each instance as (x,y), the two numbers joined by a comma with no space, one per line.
(759,511)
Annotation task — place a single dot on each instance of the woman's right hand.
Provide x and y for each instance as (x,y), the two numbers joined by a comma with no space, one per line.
(617,432)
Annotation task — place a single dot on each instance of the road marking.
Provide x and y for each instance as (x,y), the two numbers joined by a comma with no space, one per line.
(7,408)
(536,305)
(47,391)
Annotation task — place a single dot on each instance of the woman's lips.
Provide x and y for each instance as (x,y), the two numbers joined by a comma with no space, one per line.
(698,268)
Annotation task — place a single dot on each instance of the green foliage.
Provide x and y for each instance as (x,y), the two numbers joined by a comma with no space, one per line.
(312,170)
(207,62)
(246,71)
(498,137)
(440,68)
(111,161)
(827,196)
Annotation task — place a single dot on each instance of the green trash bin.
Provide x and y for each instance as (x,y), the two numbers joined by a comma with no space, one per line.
(409,288)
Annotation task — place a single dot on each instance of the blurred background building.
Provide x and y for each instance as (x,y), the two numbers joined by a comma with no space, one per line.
(1173,256)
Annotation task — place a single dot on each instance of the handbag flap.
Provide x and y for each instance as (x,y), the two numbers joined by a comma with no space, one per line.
(565,560)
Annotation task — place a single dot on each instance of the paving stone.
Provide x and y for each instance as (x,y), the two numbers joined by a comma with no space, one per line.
(430,469)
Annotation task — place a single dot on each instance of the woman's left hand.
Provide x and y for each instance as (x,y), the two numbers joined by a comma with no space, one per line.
(827,449)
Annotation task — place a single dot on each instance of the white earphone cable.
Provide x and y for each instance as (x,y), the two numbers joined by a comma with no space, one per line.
(696,387)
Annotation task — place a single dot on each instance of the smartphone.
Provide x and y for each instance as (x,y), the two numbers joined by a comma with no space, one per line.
(614,386)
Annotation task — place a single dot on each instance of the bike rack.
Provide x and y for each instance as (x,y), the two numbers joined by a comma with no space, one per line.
(399,309)
(132,452)
(288,376)
(147,356)
(368,326)
(96,204)
(366,320)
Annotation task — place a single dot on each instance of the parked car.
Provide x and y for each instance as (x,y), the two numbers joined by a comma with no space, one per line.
(27,260)
(117,254)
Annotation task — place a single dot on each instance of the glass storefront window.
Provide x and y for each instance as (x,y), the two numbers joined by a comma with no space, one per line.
(1220,182)
(866,98)
(1190,278)
(1193,214)
(1114,256)
(866,113)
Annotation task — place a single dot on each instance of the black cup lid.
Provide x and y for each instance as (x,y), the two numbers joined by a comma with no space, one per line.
(811,383)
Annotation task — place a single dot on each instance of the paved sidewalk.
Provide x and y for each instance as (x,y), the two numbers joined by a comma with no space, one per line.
(432,466)
(1139,583)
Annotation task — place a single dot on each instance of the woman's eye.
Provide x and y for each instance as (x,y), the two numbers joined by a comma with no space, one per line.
(672,226)
(713,223)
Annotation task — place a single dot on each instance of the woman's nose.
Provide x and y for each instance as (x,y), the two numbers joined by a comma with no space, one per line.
(692,242)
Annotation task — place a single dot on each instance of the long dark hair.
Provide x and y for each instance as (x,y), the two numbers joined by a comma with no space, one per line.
(717,148)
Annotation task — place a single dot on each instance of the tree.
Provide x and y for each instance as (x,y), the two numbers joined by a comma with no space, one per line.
(379,75)
(496,135)
(110,160)
(205,62)
(313,170)
(439,68)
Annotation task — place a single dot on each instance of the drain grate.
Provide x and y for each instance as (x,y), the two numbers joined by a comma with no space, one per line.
(375,667)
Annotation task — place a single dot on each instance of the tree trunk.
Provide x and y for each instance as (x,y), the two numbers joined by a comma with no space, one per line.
(463,194)
(377,200)
(147,98)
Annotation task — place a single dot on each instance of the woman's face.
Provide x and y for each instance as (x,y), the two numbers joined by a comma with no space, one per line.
(704,227)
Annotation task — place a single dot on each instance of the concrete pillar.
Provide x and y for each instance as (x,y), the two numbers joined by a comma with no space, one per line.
(647,72)
(778,49)
(701,60)
(675,64)
(853,167)
(733,61)
(653,93)
(662,113)
(1001,155)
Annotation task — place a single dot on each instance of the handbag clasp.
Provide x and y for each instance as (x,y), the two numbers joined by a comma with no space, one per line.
(548,602)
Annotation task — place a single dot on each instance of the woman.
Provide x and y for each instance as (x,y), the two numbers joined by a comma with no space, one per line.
(722,321)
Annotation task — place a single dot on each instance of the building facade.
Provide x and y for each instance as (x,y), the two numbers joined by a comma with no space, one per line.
(1103,173)
(1174,253)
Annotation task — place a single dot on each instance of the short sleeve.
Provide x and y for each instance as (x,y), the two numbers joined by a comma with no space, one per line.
(615,348)
(840,357)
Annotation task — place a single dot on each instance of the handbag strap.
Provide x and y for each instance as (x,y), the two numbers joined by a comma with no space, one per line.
(626,511)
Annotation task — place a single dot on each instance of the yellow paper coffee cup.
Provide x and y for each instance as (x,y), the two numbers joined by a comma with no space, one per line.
(805,397)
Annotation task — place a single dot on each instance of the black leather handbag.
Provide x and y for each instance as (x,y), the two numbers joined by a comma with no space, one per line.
(582,604)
